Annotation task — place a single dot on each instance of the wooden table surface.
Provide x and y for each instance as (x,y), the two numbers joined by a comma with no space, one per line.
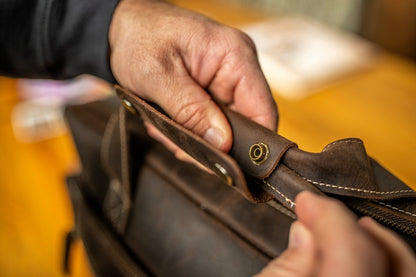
(378,106)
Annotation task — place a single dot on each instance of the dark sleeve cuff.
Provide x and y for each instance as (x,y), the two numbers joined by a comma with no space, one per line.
(55,38)
(79,43)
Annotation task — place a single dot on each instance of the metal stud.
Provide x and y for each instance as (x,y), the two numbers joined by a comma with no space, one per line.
(128,106)
(223,174)
(259,153)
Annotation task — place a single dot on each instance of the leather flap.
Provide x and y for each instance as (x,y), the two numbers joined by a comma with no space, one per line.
(257,149)
(275,166)
(343,168)
(218,162)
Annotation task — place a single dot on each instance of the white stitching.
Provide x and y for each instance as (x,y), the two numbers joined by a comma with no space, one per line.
(341,141)
(279,207)
(351,188)
(395,208)
(287,199)
(357,189)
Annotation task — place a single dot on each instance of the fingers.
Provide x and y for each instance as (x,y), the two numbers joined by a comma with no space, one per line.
(328,241)
(344,248)
(299,260)
(402,259)
(182,61)
(192,107)
(229,69)
(147,56)
(178,152)
(251,93)
(235,77)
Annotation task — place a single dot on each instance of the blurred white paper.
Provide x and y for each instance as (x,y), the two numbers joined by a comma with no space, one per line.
(300,55)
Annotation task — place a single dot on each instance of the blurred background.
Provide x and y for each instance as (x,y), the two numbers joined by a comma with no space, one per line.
(337,68)
(388,23)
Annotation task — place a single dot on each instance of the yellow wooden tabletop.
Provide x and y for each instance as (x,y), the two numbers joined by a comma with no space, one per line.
(35,210)
(378,105)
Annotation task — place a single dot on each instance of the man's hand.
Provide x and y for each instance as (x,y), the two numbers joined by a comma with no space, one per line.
(182,61)
(327,240)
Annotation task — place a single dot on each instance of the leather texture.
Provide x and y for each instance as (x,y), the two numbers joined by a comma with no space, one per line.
(182,221)
(342,169)
(165,217)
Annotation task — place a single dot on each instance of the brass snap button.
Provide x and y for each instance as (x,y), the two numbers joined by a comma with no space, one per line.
(259,153)
(128,106)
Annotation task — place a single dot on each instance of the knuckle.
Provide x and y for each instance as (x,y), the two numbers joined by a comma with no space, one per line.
(243,41)
(240,49)
(235,38)
(248,40)
(192,116)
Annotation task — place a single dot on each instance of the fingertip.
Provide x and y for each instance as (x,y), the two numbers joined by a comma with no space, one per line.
(214,136)
(367,222)
(402,259)
(313,209)
(307,198)
(299,236)
(302,200)
(218,131)
(302,196)
(299,259)
(195,110)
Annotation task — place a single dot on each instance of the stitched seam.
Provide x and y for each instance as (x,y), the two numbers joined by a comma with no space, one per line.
(357,189)
(287,199)
(280,208)
(342,141)
(395,208)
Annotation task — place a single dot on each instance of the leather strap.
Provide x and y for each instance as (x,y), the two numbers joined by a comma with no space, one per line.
(263,165)
(219,163)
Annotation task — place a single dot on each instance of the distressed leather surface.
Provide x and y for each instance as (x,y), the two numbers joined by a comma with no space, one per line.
(342,169)
(170,218)
(182,221)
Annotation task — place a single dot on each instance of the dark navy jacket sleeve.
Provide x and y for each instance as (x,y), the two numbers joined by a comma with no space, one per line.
(55,38)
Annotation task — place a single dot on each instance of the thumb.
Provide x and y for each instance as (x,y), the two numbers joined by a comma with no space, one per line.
(298,260)
(192,107)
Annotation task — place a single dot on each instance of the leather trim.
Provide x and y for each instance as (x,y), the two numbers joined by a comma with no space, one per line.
(342,169)
(250,133)
(195,146)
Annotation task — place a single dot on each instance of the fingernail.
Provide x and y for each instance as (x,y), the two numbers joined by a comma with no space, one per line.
(297,234)
(215,137)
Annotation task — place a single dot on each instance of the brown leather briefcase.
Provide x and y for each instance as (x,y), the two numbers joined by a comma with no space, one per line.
(141,212)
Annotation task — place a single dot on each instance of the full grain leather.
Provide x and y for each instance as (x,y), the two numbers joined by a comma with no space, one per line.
(178,216)
(182,221)
(194,145)
(342,169)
